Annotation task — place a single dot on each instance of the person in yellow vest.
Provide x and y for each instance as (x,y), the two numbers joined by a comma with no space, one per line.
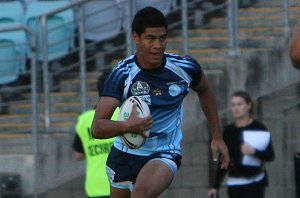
(94,151)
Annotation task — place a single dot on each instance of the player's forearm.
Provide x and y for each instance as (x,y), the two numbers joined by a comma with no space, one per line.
(209,107)
(103,128)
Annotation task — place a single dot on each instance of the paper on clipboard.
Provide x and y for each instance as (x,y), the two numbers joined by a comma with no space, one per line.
(257,139)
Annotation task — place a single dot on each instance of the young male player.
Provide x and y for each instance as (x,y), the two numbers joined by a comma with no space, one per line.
(162,80)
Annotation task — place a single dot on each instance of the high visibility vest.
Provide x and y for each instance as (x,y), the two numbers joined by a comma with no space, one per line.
(96,152)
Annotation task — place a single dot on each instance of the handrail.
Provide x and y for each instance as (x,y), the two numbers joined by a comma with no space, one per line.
(233,15)
(45,62)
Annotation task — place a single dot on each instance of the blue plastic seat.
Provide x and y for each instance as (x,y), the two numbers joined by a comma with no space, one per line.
(11,11)
(103,19)
(60,27)
(12,54)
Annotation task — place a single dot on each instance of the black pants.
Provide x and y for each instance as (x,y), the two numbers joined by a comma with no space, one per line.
(256,190)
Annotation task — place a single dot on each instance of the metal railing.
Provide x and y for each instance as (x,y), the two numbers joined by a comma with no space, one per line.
(33,90)
(81,50)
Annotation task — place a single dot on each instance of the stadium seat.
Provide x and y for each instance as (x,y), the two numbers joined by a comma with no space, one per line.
(60,27)
(103,19)
(11,11)
(164,6)
(12,54)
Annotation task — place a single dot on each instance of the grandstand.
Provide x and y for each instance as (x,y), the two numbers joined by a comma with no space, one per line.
(51,53)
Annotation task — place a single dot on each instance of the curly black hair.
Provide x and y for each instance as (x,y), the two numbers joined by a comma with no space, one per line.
(148,17)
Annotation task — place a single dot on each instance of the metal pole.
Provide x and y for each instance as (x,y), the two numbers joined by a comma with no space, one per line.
(82,57)
(233,16)
(286,29)
(184,27)
(45,73)
(34,109)
(130,10)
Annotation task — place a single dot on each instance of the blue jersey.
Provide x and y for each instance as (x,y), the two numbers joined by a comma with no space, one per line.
(163,89)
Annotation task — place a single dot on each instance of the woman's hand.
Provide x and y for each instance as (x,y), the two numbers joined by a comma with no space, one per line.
(212,193)
(246,149)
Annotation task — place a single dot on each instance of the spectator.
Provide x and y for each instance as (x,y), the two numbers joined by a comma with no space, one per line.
(247,174)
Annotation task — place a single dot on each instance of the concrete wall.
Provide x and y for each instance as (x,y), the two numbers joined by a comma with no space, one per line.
(55,162)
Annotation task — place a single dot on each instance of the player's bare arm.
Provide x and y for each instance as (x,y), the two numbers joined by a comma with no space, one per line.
(208,104)
(103,127)
(295,47)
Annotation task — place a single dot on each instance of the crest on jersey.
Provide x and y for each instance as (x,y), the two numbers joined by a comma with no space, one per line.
(174,90)
(140,88)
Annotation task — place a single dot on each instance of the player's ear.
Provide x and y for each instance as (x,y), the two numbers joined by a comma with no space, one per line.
(135,37)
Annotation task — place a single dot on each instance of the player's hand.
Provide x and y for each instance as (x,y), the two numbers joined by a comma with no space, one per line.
(139,125)
(218,146)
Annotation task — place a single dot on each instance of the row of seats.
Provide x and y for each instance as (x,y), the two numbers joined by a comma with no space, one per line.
(103,19)
(109,20)
(15,45)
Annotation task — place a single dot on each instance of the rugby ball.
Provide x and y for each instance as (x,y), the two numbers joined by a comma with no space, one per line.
(133,140)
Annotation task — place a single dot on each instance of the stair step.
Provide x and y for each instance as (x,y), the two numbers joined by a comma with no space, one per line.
(254,21)
(76,75)
(223,42)
(274,3)
(18,128)
(243,32)
(56,107)
(26,118)
(73,85)
(14,135)
(267,11)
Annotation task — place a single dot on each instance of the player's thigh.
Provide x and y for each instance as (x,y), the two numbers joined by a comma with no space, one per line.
(119,193)
(154,177)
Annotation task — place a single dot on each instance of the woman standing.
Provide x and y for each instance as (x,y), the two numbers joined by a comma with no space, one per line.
(250,145)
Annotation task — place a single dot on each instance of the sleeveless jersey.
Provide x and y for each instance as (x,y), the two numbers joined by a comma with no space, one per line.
(163,89)
(96,152)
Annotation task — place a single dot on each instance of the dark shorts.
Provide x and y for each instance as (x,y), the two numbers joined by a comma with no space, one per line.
(125,167)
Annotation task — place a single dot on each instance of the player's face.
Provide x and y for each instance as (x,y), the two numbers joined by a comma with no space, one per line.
(151,46)
(239,107)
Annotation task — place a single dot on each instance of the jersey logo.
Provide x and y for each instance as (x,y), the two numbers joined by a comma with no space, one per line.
(140,88)
(157,92)
(174,90)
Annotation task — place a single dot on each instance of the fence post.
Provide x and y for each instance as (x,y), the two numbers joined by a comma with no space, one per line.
(130,9)
(184,26)
(233,18)
(82,59)
(286,29)
(45,64)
